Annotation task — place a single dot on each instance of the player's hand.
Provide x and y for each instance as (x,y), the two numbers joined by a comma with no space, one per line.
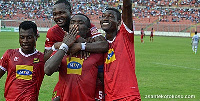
(70,37)
(75,48)
(57,45)
(84,54)
(80,40)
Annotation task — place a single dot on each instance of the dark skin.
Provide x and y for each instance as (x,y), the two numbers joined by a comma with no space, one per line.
(51,65)
(61,12)
(80,21)
(61,15)
(109,22)
(27,41)
(83,29)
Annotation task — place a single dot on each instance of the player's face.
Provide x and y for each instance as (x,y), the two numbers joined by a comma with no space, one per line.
(108,20)
(27,40)
(81,21)
(61,15)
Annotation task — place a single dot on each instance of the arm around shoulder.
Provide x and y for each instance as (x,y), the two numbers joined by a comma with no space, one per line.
(100,45)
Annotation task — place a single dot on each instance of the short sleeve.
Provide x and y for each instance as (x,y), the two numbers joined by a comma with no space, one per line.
(4,61)
(49,40)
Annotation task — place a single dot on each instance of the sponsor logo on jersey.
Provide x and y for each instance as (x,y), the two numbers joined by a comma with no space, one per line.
(74,66)
(111,56)
(24,72)
(36,60)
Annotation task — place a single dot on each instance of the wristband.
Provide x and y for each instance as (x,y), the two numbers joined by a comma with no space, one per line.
(78,36)
(64,47)
(83,45)
(53,48)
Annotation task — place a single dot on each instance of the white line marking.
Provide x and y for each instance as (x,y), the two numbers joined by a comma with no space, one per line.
(175,66)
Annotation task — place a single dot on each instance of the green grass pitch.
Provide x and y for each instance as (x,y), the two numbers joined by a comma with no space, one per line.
(165,68)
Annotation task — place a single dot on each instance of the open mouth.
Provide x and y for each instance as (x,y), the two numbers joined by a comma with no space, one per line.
(26,45)
(59,21)
(105,23)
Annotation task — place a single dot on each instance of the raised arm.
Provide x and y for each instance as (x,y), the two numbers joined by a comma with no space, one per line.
(127,14)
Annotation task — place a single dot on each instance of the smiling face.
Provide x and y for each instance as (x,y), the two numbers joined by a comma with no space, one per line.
(83,24)
(27,40)
(61,15)
(109,21)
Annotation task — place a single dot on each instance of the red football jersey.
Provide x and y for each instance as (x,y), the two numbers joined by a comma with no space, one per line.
(56,34)
(77,78)
(119,69)
(24,74)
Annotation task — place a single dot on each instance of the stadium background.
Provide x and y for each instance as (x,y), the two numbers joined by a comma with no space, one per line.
(163,67)
(167,17)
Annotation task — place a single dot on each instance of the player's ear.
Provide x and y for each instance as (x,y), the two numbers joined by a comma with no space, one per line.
(118,22)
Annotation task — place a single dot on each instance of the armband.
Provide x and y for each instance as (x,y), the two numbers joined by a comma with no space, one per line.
(83,45)
(64,47)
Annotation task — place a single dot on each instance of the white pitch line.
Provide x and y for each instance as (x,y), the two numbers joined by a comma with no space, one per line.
(175,66)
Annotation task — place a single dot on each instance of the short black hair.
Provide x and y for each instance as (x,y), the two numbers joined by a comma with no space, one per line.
(28,25)
(117,12)
(88,20)
(66,2)
(195,32)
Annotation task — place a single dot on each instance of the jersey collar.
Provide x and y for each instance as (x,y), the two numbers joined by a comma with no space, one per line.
(27,55)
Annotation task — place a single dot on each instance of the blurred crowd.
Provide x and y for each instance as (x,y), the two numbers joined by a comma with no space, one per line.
(163,10)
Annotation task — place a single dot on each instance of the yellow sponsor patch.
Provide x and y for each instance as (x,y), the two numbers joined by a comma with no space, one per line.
(24,72)
(74,66)
(111,56)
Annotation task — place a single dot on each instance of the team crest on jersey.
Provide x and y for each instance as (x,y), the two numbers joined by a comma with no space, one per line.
(94,30)
(24,72)
(36,60)
(54,94)
(16,58)
(111,56)
(74,66)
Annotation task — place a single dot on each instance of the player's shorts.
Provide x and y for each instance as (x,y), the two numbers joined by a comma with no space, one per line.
(130,98)
(195,45)
(151,35)
(142,36)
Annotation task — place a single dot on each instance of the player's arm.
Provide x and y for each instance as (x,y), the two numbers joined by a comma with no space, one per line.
(47,54)
(100,45)
(127,14)
(52,64)
(2,72)
(48,44)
